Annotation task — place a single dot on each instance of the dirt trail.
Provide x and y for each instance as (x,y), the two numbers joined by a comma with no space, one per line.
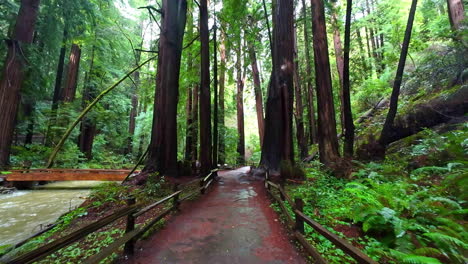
(232,223)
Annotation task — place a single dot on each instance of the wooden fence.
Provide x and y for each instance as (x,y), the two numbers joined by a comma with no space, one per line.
(132,233)
(297,225)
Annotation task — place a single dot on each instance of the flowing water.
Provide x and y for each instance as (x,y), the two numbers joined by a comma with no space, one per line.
(24,212)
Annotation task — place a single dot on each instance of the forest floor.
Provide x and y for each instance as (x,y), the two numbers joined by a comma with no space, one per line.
(232,223)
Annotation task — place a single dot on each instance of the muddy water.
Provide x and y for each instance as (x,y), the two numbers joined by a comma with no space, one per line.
(23,212)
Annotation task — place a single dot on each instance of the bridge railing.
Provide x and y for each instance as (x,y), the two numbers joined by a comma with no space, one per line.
(297,224)
(132,233)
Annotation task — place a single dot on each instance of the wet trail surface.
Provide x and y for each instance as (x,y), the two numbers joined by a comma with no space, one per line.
(231,223)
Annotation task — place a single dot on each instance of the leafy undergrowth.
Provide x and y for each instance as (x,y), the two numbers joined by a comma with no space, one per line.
(103,201)
(411,208)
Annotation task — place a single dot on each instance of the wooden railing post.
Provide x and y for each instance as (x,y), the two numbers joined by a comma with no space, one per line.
(130,245)
(299,204)
(176,197)
(202,186)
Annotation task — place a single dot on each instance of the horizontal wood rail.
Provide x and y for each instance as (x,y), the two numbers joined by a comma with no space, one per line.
(66,175)
(132,234)
(298,226)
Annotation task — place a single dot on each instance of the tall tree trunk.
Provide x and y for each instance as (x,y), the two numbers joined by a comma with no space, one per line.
(257,92)
(327,137)
(277,142)
(133,111)
(71,80)
(222,79)
(346,97)
(339,60)
(195,124)
(189,104)
(162,156)
(13,73)
(205,100)
(215,89)
(392,111)
(59,75)
(88,126)
(189,133)
(240,105)
(29,108)
(456,12)
(369,51)
(310,88)
(299,114)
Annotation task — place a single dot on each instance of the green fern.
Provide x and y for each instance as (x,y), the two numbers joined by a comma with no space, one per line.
(413,259)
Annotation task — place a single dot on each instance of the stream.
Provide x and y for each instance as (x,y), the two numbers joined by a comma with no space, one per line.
(24,212)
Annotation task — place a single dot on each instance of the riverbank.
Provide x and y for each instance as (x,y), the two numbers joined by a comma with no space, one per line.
(25,212)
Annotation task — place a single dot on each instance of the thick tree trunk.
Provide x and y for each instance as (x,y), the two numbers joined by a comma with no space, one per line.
(257,92)
(456,12)
(71,80)
(240,106)
(299,114)
(339,60)
(346,97)
(386,130)
(277,144)
(162,156)
(59,76)
(215,88)
(13,73)
(327,136)
(310,88)
(205,100)
(133,111)
(222,79)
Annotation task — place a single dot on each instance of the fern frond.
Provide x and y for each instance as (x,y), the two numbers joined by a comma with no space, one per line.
(413,259)
(439,238)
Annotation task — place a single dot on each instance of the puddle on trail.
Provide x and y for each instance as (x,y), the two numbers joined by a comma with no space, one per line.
(23,212)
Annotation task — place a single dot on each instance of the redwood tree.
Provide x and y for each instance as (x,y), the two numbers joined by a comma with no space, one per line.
(346,97)
(13,73)
(205,101)
(456,12)
(240,105)
(277,144)
(310,89)
(257,92)
(222,79)
(69,89)
(327,137)
(162,156)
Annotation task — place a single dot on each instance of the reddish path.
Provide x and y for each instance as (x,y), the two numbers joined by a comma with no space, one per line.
(232,223)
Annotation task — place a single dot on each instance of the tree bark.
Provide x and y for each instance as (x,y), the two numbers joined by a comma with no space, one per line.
(310,88)
(299,114)
(240,105)
(162,156)
(327,136)
(257,92)
(339,60)
(392,111)
(13,73)
(456,12)
(222,79)
(71,80)
(189,104)
(277,143)
(215,108)
(346,97)
(205,100)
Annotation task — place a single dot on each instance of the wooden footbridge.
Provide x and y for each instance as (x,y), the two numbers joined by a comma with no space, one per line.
(28,175)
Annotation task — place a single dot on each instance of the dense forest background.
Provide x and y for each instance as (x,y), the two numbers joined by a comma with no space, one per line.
(113,36)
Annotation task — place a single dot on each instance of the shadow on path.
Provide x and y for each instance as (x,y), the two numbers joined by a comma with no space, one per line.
(231,223)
